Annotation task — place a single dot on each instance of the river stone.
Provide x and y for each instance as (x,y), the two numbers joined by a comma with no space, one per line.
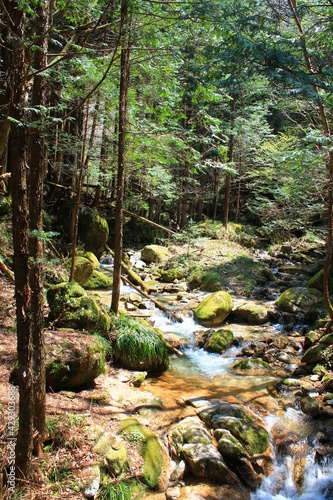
(154,254)
(237,459)
(82,269)
(93,231)
(244,425)
(307,300)
(214,309)
(252,313)
(71,306)
(190,440)
(219,341)
(94,478)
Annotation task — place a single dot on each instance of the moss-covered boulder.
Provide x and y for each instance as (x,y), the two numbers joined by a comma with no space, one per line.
(219,341)
(170,275)
(137,347)
(98,281)
(73,359)
(71,306)
(243,424)
(5,205)
(214,309)
(317,282)
(82,269)
(251,313)
(113,449)
(148,446)
(190,440)
(154,254)
(309,301)
(90,256)
(252,364)
(93,231)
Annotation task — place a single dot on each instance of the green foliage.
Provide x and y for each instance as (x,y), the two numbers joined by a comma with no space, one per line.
(122,490)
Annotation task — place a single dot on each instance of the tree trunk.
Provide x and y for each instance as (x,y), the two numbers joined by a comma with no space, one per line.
(123,91)
(183,218)
(36,175)
(18,166)
(230,160)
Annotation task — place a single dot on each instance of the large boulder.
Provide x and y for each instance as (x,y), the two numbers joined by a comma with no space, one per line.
(93,231)
(137,347)
(98,281)
(214,309)
(90,256)
(251,312)
(242,440)
(154,254)
(72,307)
(219,341)
(72,359)
(82,269)
(190,440)
(308,301)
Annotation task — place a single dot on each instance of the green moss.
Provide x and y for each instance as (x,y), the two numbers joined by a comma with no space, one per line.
(250,364)
(114,451)
(219,341)
(90,256)
(170,275)
(154,253)
(93,231)
(149,448)
(82,269)
(214,309)
(98,281)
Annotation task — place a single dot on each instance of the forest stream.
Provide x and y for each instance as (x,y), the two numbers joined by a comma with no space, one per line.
(299,470)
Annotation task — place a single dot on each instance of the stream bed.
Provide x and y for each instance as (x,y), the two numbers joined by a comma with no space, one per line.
(301,471)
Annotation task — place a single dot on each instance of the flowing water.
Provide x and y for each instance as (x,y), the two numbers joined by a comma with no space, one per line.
(199,374)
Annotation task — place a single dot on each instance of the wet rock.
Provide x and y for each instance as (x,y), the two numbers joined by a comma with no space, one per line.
(191,441)
(154,254)
(214,309)
(219,341)
(251,364)
(310,406)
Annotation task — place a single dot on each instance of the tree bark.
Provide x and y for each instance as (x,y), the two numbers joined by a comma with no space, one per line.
(36,178)
(123,92)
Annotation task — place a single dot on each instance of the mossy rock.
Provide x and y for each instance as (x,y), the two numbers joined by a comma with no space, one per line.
(72,359)
(93,231)
(139,348)
(251,364)
(90,256)
(214,309)
(114,450)
(170,275)
(318,353)
(5,205)
(219,341)
(154,254)
(98,281)
(242,424)
(252,313)
(71,306)
(82,269)
(309,300)
(317,282)
(149,448)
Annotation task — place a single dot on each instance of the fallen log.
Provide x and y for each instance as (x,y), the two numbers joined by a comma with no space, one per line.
(160,306)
